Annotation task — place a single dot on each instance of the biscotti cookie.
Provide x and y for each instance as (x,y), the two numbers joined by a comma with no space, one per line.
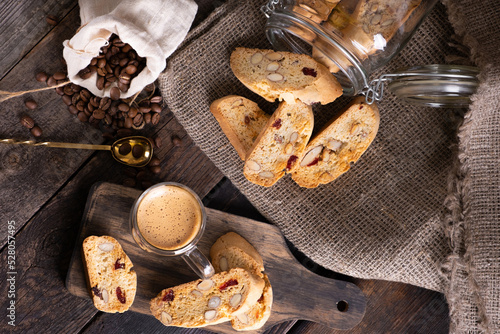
(316,10)
(342,142)
(233,251)
(279,144)
(284,76)
(208,302)
(378,18)
(240,119)
(112,281)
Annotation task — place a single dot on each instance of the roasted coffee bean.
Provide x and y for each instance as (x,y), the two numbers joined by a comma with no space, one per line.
(132,112)
(155,107)
(131,69)
(75,88)
(90,107)
(137,151)
(155,119)
(123,87)
(101,71)
(27,122)
(138,119)
(150,87)
(82,116)
(99,114)
(95,101)
(41,76)
(141,175)
(108,120)
(101,63)
(80,105)
(123,62)
(147,118)
(60,91)
(30,104)
(158,142)
(114,93)
(67,90)
(51,19)
(156,99)
(105,103)
(59,75)
(155,169)
(154,162)
(51,82)
(128,123)
(36,131)
(176,141)
(144,109)
(72,109)
(100,83)
(85,73)
(125,149)
(123,107)
(66,99)
(75,98)
(85,95)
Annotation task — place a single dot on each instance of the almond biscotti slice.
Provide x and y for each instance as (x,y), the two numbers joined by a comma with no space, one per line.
(233,251)
(112,281)
(279,144)
(208,302)
(342,142)
(240,119)
(284,76)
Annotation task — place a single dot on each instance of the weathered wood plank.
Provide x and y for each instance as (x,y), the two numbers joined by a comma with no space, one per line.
(24,24)
(393,308)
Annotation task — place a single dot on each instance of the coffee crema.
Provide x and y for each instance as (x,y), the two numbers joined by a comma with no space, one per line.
(169,217)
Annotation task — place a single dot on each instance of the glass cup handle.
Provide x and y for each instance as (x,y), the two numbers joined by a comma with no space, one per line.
(198,263)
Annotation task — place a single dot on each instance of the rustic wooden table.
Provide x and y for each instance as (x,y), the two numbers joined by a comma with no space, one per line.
(43,194)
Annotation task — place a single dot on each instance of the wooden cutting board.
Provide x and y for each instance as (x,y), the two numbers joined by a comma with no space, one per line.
(298,293)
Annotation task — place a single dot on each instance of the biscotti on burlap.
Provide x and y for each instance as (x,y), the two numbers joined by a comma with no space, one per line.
(279,144)
(284,76)
(240,119)
(208,302)
(233,251)
(342,142)
(112,281)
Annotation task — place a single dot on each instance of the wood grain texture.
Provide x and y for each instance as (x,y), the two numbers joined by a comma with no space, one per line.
(24,24)
(295,288)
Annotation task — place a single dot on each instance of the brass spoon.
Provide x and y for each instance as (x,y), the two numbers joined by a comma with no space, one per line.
(135,151)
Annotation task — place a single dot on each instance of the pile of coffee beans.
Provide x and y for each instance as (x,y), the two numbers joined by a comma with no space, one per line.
(117,63)
(115,117)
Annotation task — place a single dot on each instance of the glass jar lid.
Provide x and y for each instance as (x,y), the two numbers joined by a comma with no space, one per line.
(429,85)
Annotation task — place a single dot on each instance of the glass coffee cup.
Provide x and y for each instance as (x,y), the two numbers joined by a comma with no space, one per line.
(169,219)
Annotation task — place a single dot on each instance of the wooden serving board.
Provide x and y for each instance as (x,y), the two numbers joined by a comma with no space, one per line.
(298,293)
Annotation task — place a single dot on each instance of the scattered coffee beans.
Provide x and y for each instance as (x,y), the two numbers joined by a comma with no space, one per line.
(27,122)
(176,141)
(52,20)
(116,65)
(30,104)
(41,76)
(36,131)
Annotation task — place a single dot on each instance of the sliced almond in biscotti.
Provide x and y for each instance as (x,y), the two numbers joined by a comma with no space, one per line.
(284,76)
(208,302)
(342,142)
(112,281)
(233,251)
(279,144)
(240,119)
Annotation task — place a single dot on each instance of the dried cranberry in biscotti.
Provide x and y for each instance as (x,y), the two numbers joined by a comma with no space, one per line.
(169,296)
(120,295)
(227,284)
(309,71)
(277,124)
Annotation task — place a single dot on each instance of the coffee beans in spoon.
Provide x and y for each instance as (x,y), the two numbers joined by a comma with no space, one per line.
(116,65)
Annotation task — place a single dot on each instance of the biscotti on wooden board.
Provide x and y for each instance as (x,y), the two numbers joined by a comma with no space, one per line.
(342,142)
(284,76)
(233,251)
(210,301)
(112,281)
(240,119)
(279,144)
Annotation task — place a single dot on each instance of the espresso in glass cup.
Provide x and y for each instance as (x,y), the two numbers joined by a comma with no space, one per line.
(169,219)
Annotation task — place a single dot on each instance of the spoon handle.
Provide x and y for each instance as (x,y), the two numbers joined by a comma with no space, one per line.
(56,144)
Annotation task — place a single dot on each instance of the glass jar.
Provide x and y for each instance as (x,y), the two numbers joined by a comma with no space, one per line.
(355,37)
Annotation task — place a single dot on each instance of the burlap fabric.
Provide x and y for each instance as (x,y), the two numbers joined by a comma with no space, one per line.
(384,218)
